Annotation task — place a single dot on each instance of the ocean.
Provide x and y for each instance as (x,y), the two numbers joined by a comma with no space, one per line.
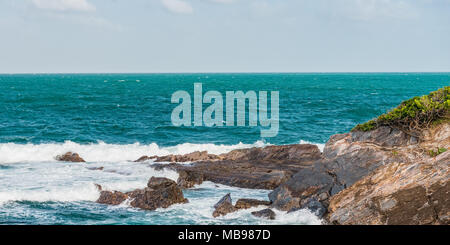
(113,119)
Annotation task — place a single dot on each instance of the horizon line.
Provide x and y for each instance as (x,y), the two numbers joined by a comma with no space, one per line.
(312,72)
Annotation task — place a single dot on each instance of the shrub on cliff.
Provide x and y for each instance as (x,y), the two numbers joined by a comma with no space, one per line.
(414,115)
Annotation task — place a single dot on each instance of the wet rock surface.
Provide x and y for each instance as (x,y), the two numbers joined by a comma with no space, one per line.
(256,168)
(70,157)
(265,213)
(224,206)
(249,203)
(190,157)
(159,193)
(112,197)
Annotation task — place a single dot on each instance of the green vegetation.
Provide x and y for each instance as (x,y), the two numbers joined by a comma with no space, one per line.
(414,115)
(433,153)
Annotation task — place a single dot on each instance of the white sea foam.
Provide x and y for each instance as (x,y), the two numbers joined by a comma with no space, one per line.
(103,152)
(32,174)
(68,182)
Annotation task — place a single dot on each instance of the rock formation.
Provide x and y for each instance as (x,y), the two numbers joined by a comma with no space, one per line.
(224,206)
(70,157)
(257,168)
(412,193)
(249,203)
(159,193)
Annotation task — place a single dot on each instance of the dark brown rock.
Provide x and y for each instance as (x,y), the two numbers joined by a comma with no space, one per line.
(99,187)
(257,168)
(303,152)
(160,193)
(265,213)
(188,179)
(249,203)
(159,182)
(145,158)
(112,197)
(70,157)
(308,182)
(190,157)
(224,206)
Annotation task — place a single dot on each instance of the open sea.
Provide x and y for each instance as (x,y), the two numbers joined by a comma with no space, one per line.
(113,119)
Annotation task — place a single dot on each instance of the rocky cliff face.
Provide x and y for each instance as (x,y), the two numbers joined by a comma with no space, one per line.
(397,193)
(414,189)
(383,176)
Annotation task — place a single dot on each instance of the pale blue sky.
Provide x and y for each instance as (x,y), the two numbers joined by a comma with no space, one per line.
(224,35)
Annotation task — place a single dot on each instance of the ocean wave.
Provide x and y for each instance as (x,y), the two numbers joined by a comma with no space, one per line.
(103,152)
(69,194)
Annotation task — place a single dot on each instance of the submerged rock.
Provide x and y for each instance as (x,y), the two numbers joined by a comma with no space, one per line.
(265,213)
(224,206)
(159,193)
(70,157)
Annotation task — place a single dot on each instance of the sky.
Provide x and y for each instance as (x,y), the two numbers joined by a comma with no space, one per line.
(153,36)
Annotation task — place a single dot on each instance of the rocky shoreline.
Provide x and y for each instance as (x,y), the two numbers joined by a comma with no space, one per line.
(379,176)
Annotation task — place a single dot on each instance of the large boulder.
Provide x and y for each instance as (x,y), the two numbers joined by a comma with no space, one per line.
(224,206)
(112,197)
(159,193)
(70,157)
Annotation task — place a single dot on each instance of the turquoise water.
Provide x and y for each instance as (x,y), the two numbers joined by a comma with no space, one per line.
(112,119)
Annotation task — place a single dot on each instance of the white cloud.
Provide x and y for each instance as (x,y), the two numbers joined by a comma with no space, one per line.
(64,5)
(178,6)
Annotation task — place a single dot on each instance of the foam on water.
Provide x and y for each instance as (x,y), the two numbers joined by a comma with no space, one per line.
(67,182)
(62,185)
(103,152)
